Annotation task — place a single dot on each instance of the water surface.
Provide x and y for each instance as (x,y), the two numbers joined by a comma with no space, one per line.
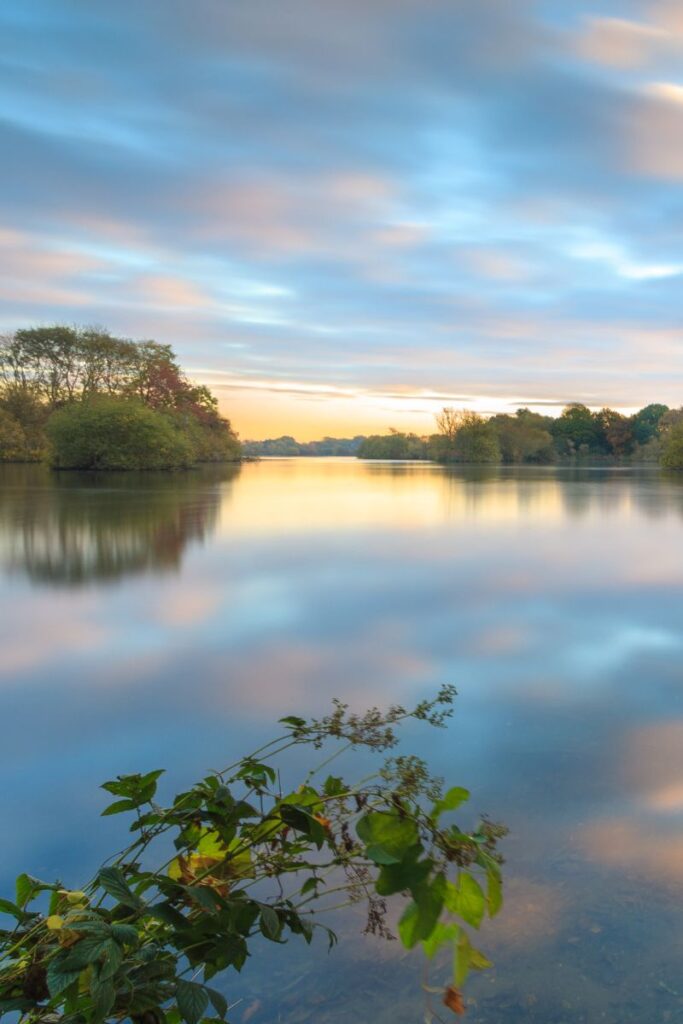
(156,620)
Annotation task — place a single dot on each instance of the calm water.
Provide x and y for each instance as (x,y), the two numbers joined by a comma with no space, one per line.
(153,621)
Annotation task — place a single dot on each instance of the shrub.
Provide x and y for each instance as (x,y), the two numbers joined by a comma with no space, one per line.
(112,433)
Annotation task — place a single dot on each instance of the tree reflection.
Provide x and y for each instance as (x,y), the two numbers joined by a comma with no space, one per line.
(73,528)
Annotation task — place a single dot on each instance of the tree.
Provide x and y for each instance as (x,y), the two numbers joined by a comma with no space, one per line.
(465,436)
(23,406)
(114,433)
(50,367)
(578,431)
(618,432)
(523,438)
(147,935)
(394,445)
(672,452)
(646,422)
(13,444)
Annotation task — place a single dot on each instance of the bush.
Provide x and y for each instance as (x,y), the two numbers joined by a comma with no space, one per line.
(112,433)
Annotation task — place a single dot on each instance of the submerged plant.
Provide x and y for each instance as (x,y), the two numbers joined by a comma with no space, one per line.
(235,856)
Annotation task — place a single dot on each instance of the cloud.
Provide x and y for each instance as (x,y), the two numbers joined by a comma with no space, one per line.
(618,43)
(370,196)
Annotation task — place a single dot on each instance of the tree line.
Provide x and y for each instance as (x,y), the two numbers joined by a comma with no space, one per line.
(653,434)
(286,446)
(82,398)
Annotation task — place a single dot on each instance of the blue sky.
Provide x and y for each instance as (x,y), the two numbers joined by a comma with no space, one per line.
(346,213)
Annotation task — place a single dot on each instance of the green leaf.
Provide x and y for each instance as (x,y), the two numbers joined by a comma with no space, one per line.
(410,874)
(103,996)
(333,786)
(114,882)
(461,960)
(311,883)
(218,1001)
(87,951)
(192,999)
(126,934)
(408,926)
(495,892)
(26,888)
(270,923)
(211,844)
(59,979)
(302,821)
(478,961)
(441,934)
(470,902)
(113,955)
(7,907)
(168,914)
(118,807)
(450,801)
(387,837)
(293,721)
(422,913)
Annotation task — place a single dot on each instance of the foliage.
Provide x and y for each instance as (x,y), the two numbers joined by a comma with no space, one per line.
(43,369)
(646,422)
(114,433)
(394,445)
(13,444)
(465,437)
(524,437)
(286,446)
(22,426)
(577,431)
(672,452)
(144,939)
(617,432)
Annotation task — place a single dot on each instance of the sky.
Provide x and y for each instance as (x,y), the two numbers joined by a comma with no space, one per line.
(346,214)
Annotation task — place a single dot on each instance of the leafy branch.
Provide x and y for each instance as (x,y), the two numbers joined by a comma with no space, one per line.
(143,939)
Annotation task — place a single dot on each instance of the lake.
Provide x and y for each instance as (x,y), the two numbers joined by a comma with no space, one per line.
(168,620)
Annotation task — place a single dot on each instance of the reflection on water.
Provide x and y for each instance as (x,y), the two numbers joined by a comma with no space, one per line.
(72,528)
(552,598)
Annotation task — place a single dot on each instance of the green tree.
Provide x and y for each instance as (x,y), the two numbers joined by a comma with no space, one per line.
(114,433)
(646,422)
(394,445)
(523,438)
(672,451)
(465,437)
(49,367)
(24,406)
(13,444)
(578,431)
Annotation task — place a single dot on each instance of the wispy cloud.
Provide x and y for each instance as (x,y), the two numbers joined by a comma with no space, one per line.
(409,204)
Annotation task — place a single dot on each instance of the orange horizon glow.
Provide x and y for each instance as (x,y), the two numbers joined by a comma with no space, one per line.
(260,410)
